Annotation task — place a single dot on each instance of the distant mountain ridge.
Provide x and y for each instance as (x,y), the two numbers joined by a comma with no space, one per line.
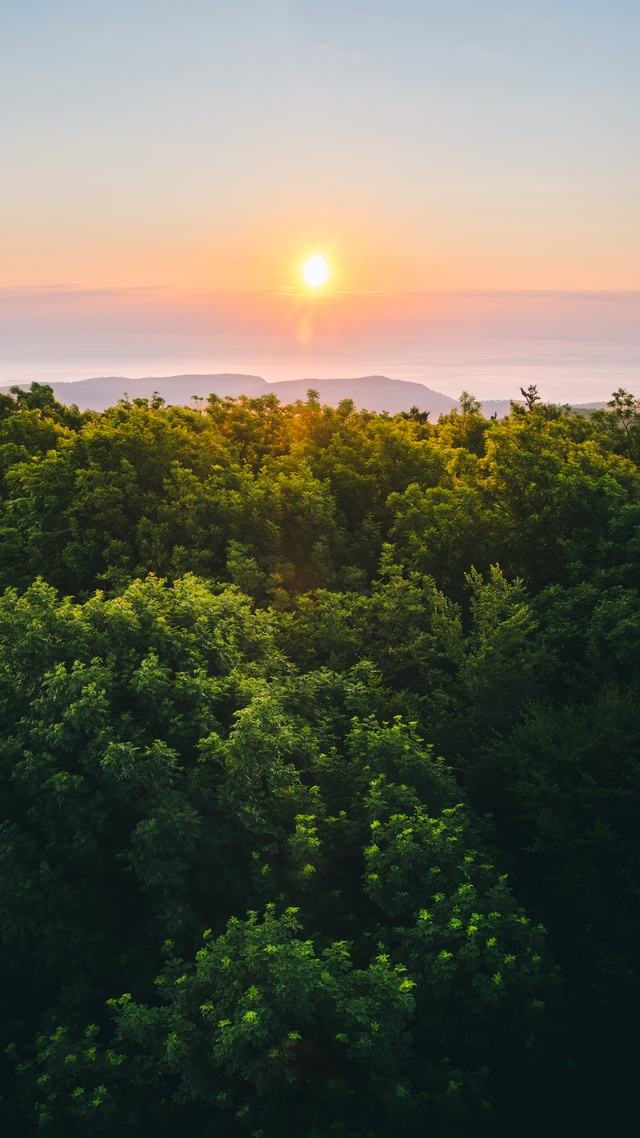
(373,392)
(100,392)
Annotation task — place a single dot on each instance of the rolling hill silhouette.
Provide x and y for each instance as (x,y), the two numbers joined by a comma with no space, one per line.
(373,392)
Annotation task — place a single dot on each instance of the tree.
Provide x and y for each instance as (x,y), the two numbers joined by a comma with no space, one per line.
(469,404)
(530,396)
(253,751)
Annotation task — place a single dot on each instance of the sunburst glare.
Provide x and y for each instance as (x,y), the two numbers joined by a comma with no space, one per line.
(316,271)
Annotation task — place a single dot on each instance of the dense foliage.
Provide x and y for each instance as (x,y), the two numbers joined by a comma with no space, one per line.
(241,893)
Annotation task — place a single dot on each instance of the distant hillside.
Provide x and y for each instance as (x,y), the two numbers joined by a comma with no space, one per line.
(497,407)
(587,408)
(104,391)
(373,392)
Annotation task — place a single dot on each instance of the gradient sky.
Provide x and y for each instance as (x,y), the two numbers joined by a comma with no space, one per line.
(166,167)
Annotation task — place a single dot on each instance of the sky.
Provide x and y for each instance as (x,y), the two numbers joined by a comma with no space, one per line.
(471,171)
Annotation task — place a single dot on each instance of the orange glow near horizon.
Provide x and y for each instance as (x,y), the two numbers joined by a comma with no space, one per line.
(366,252)
(361,263)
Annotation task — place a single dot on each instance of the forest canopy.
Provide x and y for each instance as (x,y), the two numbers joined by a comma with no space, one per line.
(320,771)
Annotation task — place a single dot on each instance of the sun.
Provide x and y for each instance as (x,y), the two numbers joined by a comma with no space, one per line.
(316,271)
